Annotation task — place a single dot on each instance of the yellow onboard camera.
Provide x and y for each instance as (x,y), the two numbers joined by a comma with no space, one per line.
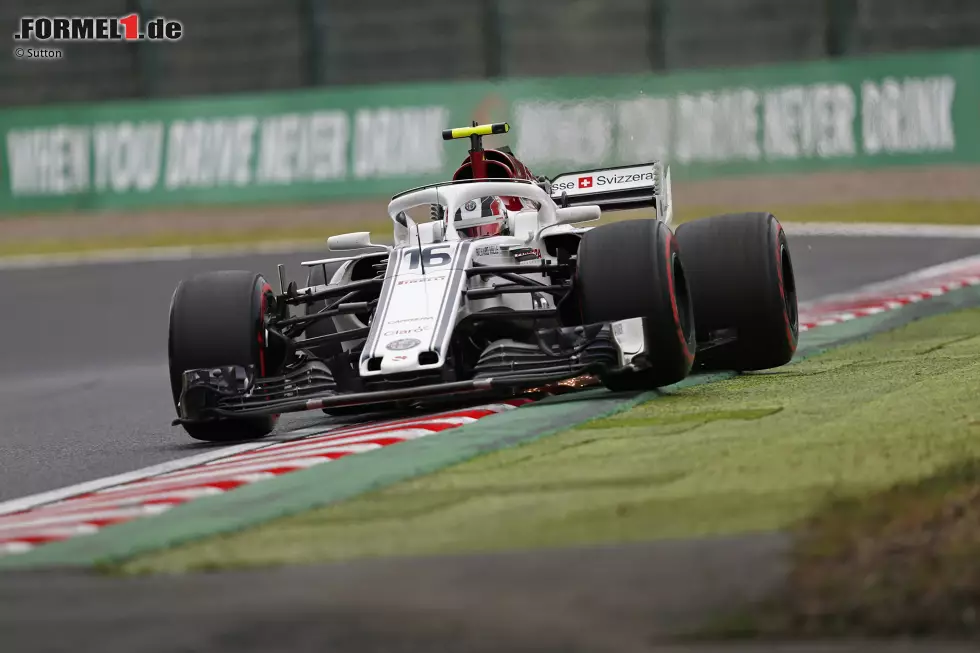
(475,130)
(476,133)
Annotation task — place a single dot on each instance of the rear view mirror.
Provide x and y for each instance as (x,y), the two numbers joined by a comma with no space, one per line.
(356,240)
(574,214)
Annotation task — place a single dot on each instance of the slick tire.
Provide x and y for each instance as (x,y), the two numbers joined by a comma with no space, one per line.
(216,319)
(633,269)
(741,278)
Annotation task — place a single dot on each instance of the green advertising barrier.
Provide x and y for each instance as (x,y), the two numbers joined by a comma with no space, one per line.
(350,143)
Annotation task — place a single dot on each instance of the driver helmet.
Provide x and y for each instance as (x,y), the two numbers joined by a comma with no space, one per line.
(481,217)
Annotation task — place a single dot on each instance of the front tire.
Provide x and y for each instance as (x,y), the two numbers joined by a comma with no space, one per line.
(218,319)
(744,291)
(633,269)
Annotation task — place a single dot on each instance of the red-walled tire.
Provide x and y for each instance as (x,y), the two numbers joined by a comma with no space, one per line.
(216,319)
(741,278)
(633,269)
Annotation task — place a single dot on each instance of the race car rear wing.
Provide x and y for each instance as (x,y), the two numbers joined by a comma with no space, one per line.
(617,189)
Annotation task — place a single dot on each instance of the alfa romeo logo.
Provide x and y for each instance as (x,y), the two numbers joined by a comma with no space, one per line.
(403,344)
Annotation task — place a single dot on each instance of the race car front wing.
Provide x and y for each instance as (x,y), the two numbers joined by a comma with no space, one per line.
(236,391)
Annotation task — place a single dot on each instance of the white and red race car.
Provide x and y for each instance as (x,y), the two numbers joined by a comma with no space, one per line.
(492,287)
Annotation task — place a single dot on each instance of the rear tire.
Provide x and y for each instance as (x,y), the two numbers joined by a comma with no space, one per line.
(633,269)
(217,319)
(741,277)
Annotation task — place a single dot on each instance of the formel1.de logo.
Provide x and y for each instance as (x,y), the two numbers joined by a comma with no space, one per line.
(65,29)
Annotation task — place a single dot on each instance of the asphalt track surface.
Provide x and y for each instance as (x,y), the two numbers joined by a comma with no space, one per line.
(84,394)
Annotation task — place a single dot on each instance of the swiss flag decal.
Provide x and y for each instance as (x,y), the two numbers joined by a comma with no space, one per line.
(585,182)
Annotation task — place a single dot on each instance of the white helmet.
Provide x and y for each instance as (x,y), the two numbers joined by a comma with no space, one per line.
(486,216)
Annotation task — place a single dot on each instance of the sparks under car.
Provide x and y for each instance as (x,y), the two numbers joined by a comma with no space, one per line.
(495,284)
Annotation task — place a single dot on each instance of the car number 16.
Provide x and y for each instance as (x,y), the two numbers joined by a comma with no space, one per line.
(433,256)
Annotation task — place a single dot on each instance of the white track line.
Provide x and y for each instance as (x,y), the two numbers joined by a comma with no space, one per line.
(26,503)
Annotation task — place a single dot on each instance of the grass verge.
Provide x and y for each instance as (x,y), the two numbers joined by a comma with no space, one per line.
(905,561)
(952,212)
(755,453)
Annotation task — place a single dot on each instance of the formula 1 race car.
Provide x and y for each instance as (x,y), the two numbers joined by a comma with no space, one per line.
(489,290)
